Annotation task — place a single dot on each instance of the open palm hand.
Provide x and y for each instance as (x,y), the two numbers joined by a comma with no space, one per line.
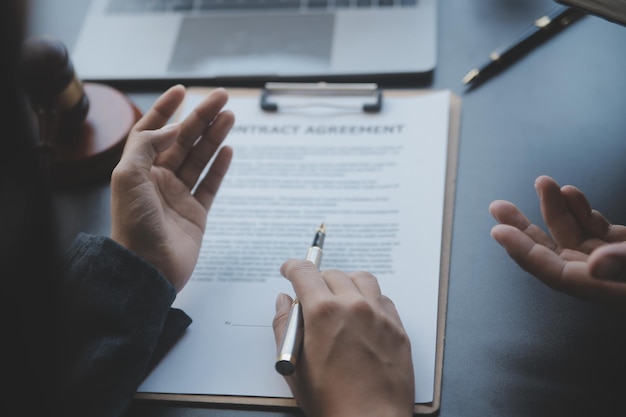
(160,202)
(584,255)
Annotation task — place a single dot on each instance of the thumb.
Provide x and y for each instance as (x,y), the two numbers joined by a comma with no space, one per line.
(609,262)
(143,147)
(283,305)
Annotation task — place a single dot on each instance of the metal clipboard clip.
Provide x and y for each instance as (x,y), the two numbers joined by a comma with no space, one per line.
(363,96)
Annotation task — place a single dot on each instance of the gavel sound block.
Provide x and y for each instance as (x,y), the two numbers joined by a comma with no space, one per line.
(82,126)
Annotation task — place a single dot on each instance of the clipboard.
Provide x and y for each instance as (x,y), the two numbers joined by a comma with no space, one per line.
(368,96)
(369,99)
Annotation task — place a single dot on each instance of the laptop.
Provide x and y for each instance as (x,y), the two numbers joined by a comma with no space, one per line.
(255,39)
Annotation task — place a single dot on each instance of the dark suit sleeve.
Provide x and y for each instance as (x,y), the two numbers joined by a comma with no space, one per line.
(116,323)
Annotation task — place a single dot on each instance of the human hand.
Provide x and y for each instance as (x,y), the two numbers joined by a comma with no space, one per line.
(585,256)
(356,357)
(154,212)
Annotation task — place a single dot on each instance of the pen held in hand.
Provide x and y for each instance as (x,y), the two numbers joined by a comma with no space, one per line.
(292,338)
(542,29)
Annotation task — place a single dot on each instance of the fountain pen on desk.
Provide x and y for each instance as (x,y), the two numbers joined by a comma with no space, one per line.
(292,339)
(543,28)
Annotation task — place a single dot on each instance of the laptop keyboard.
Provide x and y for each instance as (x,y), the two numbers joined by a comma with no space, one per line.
(125,6)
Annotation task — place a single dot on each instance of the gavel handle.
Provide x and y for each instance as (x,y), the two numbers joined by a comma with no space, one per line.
(48,125)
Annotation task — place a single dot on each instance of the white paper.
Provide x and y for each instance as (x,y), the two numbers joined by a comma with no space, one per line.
(376,181)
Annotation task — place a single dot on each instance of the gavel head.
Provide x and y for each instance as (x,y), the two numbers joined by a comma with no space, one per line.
(82,126)
(51,84)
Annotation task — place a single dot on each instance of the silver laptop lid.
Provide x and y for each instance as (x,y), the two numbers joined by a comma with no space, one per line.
(268,39)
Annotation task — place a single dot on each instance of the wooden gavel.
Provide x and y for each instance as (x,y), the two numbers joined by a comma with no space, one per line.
(82,126)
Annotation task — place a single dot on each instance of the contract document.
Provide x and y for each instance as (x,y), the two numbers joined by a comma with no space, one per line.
(378,183)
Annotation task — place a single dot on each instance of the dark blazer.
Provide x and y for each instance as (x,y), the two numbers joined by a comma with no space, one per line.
(116,321)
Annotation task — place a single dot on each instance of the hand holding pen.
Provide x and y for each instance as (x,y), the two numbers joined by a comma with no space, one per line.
(355,358)
(292,338)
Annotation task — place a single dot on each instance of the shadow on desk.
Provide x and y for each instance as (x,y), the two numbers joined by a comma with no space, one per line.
(575,370)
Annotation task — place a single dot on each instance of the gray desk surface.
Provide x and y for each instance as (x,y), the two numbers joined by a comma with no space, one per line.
(513,347)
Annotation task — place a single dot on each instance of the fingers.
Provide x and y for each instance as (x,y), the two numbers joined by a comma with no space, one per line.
(570,277)
(595,226)
(202,152)
(315,289)
(141,149)
(391,310)
(572,221)
(338,282)
(148,138)
(566,231)
(207,188)
(573,255)
(201,123)
(366,284)
(578,282)
(360,283)
(162,110)
(534,258)
(507,213)
(616,233)
(580,263)
(283,305)
(592,220)
(609,262)
(306,280)
(192,128)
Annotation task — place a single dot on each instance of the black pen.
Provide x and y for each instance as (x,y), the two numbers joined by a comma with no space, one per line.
(543,28)
(292,339)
